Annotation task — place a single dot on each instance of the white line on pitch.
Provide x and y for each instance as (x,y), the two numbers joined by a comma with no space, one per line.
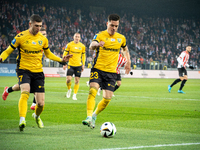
(139,147)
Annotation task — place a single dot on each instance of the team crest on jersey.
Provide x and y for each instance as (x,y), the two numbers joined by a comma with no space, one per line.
(106,39)
(40,42)
(79,48)
(13,41)
(119,40)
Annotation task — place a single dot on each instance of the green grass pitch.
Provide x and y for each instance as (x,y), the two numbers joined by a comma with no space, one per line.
(145,114)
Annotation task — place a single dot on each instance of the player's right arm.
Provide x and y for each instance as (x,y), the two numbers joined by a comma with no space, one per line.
(94,45)
(15,43)
(6,53)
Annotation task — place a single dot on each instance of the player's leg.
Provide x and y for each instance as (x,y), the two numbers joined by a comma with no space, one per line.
(77,72)
(70,73)
(76,87)
(33,104)
(118,82)
(180,72)
(184,80)
(38,88)
(110,80)
(39,107)
(95,79)
(24,78)
(22,105)
(8,90)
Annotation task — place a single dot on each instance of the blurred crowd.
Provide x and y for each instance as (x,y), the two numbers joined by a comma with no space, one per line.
(149,39)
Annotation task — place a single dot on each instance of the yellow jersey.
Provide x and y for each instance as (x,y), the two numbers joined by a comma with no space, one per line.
(107,56)
(30,51)
(78,52)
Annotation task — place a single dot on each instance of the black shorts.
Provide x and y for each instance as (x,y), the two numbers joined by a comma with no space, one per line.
(74,70)
(118,77)
(35,80)
(105,79)
(182,72)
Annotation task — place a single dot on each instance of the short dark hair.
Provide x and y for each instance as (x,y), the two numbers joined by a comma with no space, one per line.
(35,18)
(43,29)
(113,17)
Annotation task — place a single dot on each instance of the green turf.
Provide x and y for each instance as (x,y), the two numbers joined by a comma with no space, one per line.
(145,114)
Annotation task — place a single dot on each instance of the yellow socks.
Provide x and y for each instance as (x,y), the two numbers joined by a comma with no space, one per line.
(69,85)
(91,101)
(102,105)
(23,104)
(38,110)
(76,87)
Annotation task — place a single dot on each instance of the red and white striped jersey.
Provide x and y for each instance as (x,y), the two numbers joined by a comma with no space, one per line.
(121,62)
(183,59)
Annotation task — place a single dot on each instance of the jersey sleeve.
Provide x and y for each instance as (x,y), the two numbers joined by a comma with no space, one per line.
(66,51)
(123,42)
(83,55)
(180,58)
(46,44)
(96,38)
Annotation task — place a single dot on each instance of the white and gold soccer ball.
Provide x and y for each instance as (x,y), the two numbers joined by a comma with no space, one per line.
(108,129)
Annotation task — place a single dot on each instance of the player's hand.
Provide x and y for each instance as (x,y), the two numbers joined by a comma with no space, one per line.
(64,67)
(66,58)
(191,67)
(82,68)
(101,43)
(0,59)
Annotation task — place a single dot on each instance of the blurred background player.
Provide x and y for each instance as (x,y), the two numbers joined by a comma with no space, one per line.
(76,63)
(103,73)
(182,64)
(16,87)
(31,44)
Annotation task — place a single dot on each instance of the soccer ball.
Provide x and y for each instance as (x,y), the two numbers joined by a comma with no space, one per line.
(108,129)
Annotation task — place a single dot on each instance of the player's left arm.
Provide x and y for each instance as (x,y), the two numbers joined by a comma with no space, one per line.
(127,66)
(83,59)
(51,56)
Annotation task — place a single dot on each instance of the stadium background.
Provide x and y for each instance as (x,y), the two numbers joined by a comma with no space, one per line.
(156,31)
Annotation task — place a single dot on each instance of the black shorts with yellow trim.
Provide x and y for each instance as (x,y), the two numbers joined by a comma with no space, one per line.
(74,70)
(35,80)
(106,80)
(182,72)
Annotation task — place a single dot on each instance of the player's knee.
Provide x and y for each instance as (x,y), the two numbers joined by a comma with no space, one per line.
(93,91)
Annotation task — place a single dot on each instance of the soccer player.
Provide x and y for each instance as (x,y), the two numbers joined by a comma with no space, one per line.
(31,44)
(121,62)
(182,64)
(75,65)
(107,45)
(16,87)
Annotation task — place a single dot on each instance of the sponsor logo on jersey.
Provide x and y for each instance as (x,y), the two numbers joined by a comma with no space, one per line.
(112,40)
(33,43)
(40,42)
(13,41)
(66,46)
(32,52)
(111,49)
